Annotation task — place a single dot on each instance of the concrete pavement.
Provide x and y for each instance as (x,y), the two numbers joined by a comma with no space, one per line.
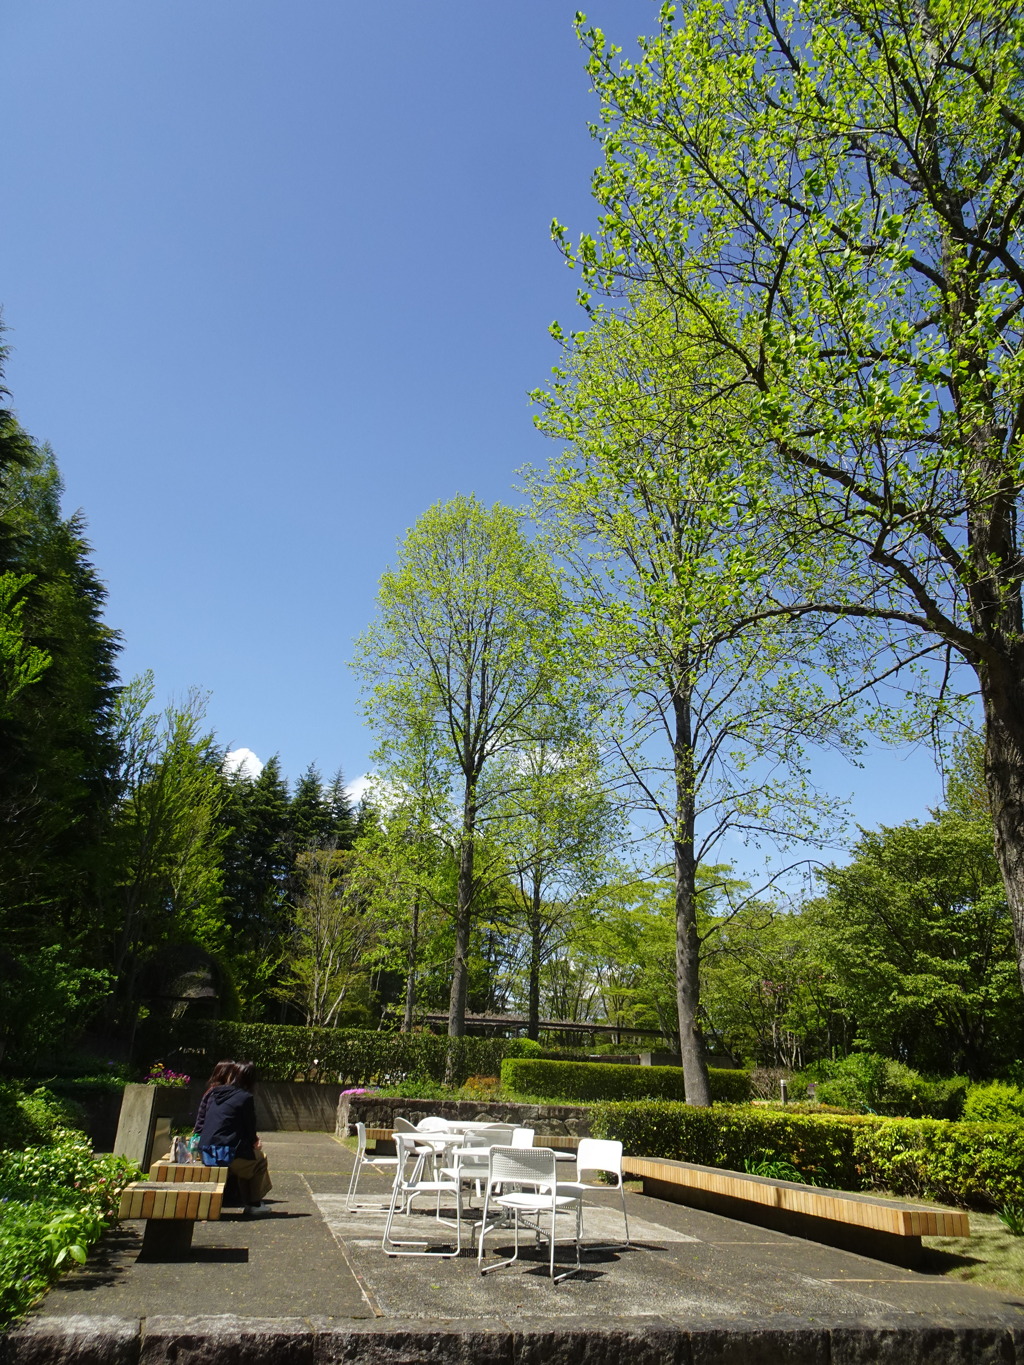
(310,1283)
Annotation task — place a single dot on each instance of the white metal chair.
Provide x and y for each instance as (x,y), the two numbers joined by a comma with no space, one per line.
(409,1184)
(521,1181)
(470,1162)
(603,1155)
(376,1163)
(523,1137)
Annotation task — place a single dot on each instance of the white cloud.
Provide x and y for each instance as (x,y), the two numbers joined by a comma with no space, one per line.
(356,790)
(243,762)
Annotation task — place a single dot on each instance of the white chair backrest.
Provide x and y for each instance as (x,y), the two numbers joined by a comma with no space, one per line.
(497,1135)
(433,1124)
(522,1137)
(361,1137)
(400,1125)
(599,1154)
(522,1166)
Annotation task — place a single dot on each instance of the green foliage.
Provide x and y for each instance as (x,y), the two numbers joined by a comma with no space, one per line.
(971,1164)
(766,168)
(46,1000)
(1012,1218)
(763,1164)
(822,1149)
(357,1056)
(469,647)
(582,1082)
(996,1102)
(55,1201)
(915,934)
(31,1117)
(866,1081)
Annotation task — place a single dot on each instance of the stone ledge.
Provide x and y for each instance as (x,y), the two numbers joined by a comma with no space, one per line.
(231,1340)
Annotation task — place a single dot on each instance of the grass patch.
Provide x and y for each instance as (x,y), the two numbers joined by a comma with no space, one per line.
(990,1257)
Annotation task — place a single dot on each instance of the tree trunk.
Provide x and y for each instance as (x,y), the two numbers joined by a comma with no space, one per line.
(691,1043)
(410,980)
(1004,777)
(463,913)
(533,1019)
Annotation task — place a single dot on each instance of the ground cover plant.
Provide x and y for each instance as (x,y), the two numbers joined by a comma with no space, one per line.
(56,1198)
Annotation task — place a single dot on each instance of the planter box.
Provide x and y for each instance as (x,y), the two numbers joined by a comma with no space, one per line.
(548,1120)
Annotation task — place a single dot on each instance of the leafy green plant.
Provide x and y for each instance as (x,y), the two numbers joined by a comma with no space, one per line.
(762,1164)
(1012,1218)
(55,1202)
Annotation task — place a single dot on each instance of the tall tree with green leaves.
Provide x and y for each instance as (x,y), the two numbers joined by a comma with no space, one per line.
(557,827)
(470,627)
(833,190)
(669,556)
(258,860)
(166,845)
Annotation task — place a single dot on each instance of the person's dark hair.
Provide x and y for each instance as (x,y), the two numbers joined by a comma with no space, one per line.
(245,1075)
(222,1074)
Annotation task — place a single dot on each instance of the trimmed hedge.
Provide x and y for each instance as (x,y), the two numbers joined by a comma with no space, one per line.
(972,1164)
(284,1052)
(582,1082)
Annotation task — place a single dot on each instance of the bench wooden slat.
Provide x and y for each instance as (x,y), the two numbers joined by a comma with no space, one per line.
(837,1206)
(168,1199)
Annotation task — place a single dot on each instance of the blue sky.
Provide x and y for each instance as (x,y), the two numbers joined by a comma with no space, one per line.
(276,277)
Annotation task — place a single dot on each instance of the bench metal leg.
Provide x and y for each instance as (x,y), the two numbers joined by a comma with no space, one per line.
(167,1239)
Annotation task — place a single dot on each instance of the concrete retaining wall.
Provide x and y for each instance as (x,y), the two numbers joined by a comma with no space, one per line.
(229,1340)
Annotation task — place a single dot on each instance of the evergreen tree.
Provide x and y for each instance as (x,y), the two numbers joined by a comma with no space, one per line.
(56,742)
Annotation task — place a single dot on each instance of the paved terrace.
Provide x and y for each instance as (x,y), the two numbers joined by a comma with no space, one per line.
(309,1285)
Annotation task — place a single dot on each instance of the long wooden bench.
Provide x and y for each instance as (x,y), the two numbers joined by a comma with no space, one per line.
(884,1228)
(172,1201)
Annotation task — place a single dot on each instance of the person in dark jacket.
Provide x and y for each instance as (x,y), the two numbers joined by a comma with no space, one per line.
(222,1074)
(229,1138)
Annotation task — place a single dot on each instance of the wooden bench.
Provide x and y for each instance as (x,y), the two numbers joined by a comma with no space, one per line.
(172,1201)
(883,1228)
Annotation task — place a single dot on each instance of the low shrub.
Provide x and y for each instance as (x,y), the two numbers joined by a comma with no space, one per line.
(55,1201)
(972,1164)
(582,1082)
(996,1102)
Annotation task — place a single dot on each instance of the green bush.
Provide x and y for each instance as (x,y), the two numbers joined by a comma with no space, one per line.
(55,1201)
(582,1082)
(283,1052)
(865,1081)
(996,1102)
(973,1164)
(31,1117)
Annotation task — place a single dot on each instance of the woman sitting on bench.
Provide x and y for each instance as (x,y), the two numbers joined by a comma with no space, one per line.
(229,1138)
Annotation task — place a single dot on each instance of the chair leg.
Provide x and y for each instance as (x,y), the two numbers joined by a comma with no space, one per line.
(625,1215)
(354,1182)
(579,1233)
